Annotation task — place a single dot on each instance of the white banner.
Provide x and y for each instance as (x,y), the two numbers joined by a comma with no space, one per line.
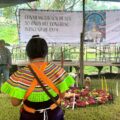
(65,27)
(113,26)
(54,26)
(102,27)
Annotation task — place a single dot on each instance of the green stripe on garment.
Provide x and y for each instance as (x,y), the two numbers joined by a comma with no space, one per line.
(66,84)
(20,93)
(13,91)
(36,96)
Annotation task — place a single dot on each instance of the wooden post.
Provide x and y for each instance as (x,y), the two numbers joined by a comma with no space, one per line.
(82,46)
(110,69)
(62,57)
(99,70)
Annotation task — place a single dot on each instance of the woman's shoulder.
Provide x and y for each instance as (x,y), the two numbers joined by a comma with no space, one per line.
(22,71)
(22,77)
(18,83)
(52,66)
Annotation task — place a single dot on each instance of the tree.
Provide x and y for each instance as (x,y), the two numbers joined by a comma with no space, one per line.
(9,12)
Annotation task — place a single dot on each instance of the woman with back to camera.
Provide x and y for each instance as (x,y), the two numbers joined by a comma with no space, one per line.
(29,85)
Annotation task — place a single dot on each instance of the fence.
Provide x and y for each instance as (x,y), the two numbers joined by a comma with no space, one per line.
(98,53)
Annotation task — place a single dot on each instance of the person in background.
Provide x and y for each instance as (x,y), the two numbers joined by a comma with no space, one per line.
(5,62)
(38,105)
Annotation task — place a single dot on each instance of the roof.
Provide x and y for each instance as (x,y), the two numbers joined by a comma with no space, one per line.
(7,3)
(109,0)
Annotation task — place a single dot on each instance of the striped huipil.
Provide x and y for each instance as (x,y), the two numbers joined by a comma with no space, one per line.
(20,81)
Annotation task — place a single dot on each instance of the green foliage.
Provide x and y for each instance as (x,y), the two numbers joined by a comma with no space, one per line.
(58,4)
(9,33)
(8,12)
(97,5)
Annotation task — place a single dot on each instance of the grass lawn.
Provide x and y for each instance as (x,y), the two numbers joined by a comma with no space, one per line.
(109,111)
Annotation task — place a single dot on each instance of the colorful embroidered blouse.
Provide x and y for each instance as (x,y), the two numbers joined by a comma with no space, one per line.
(21,80)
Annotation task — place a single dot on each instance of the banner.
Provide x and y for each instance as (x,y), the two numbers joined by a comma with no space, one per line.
(113,26)
(65,27)
(102,27)
(54,26)
(95,30)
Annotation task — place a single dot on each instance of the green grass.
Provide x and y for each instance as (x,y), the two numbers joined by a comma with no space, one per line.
(108,111)
(101,112)
(7,111)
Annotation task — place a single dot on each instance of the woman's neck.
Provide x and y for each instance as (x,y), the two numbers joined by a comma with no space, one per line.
(38,60)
